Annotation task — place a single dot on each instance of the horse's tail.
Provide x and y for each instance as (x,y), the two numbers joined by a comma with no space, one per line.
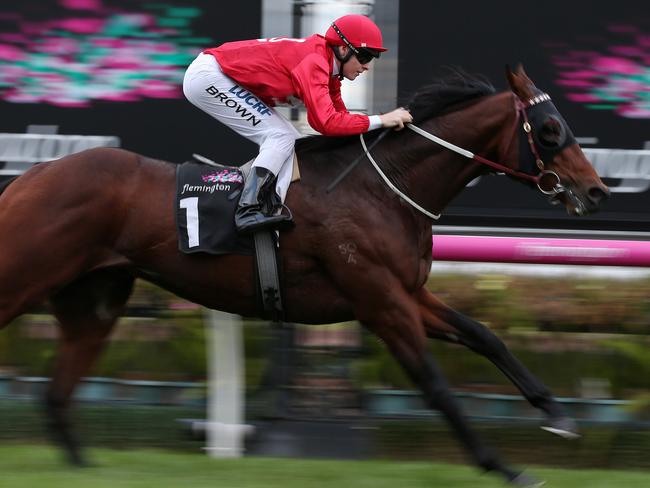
(5,184)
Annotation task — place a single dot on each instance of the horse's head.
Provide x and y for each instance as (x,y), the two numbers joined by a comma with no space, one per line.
(547,145)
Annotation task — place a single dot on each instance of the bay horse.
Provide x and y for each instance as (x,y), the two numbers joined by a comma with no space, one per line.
(78,231)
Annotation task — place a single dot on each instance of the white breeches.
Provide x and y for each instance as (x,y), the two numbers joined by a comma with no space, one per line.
(207,87)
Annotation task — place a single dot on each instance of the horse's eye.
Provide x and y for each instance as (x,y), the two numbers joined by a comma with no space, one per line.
(552,133)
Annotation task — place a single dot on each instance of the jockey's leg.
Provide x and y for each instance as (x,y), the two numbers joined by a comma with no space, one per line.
(259,200)
(207,87)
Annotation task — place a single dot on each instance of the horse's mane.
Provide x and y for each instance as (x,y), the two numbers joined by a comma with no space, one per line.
(447,92)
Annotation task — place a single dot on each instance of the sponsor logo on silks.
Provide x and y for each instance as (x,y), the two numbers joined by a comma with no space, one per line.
(224,176)
(187,188)
(244,112)
(250,99)
(281,39)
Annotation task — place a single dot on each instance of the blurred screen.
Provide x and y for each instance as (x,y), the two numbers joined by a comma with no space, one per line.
(70,53)
(115,67)
(592,58)
(609,71)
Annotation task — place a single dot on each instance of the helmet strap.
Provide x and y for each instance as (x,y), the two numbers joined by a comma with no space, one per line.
(351,49)
(342,59)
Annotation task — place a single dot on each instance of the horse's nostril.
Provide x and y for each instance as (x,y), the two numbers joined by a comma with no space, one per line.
(598,195)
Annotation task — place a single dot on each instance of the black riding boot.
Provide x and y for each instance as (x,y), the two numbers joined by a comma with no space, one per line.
(256,205)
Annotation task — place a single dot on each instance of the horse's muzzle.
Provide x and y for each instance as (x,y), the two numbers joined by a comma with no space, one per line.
(587,201)
(580,202)
(597,195)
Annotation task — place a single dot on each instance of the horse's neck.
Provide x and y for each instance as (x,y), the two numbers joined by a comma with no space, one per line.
(434,175)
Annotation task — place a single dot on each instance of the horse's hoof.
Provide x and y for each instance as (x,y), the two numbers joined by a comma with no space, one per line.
(562,426)
(522,480)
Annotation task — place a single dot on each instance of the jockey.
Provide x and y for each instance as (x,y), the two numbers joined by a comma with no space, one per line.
(239,83)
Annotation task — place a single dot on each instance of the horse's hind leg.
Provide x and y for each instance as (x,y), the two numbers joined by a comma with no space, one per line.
(87,311)
(442,322)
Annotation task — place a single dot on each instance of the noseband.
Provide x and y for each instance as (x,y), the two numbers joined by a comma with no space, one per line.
(538,109)
(532,150)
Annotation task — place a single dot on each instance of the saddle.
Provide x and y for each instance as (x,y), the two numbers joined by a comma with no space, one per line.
(206,199)
(207,194)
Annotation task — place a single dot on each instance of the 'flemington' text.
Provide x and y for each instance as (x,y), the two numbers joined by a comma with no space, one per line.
(205,188)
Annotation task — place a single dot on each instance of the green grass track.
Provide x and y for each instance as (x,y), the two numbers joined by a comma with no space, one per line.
(36,466)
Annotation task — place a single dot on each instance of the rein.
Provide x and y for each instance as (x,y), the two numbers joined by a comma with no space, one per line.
(393,187)
(521,108)
(470,155)
(536,179)
(354,163)
(521,112)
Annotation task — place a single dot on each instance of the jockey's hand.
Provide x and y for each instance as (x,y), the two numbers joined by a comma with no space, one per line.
(397,118)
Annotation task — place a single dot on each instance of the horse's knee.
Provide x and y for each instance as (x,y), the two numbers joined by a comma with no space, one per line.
(56,421)
(54,401)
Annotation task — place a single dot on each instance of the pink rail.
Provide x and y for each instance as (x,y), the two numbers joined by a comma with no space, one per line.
(541,250)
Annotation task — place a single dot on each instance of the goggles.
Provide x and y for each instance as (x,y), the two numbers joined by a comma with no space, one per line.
(365,55)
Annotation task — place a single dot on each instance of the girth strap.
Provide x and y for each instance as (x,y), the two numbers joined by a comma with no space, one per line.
(267,269)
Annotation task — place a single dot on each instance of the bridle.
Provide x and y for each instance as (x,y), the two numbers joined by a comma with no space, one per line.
(526,111)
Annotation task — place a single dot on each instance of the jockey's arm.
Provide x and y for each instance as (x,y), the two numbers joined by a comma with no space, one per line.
(337,99)
(311,81)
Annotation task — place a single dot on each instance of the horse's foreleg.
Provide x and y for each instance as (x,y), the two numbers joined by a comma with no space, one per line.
(87,311)
(402,330)
(442,322)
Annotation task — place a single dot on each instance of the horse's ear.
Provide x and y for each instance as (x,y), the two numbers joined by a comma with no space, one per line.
(519,69)
(518,80)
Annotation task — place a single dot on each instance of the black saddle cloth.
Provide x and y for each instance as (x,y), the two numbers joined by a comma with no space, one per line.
(206,200)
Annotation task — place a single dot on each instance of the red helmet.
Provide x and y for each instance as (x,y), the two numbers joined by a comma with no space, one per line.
(355,30)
